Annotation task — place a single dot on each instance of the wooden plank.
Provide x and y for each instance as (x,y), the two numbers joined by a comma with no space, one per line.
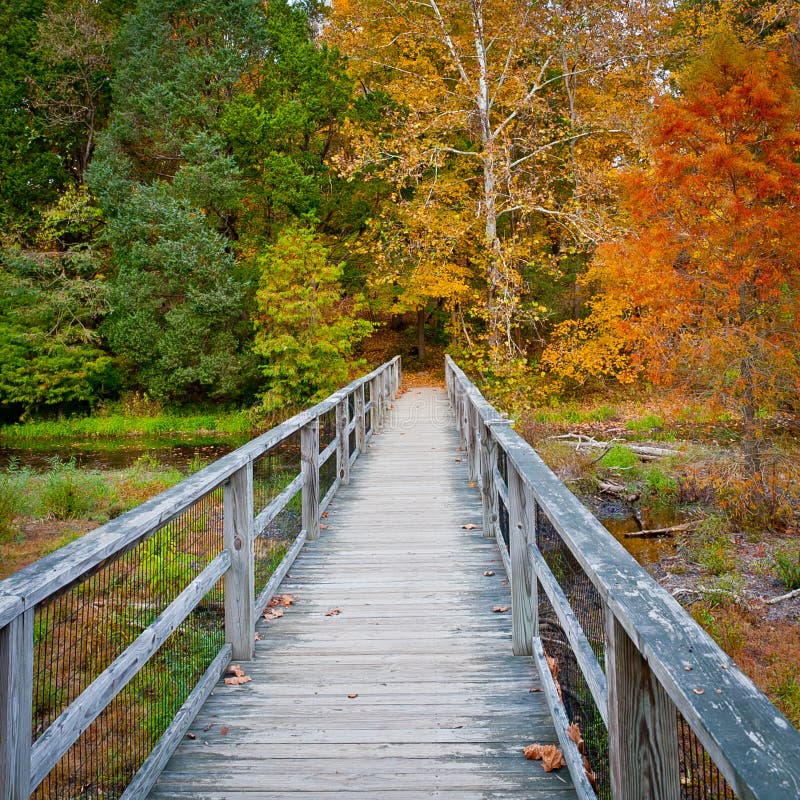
(239,579)
(16,699)
(327,452)
(642,724)
(359,414)
(145,778)
(276,505)
(77,717)
(521,516)
(440,697)
(309,463)
(343,443)
(278,575)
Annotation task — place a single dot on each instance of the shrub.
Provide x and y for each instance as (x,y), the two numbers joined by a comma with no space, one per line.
(787,565)
(70,493)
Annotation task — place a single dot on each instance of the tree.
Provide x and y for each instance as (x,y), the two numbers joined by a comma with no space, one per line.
(497,88)
(710,272)
(305,330)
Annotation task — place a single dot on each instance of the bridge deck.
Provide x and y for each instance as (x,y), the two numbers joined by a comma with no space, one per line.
(409,692)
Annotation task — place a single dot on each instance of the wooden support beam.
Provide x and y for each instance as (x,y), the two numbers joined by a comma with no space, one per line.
(361,420)
(16,700)
(521,519)
(642,723)
(342,442)
(240,624)
(309,462)
(491,510)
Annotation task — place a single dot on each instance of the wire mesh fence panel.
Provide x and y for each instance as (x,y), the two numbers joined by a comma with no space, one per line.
(272,473)
(275,470)
(587,606)
(700,777)
(270,546)
(79,632)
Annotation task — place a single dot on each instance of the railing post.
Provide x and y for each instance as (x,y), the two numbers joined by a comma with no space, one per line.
(309,463)
(16,704)
(521,518)
(239,579)
(491,511)
(376,396)
(342,442)
(642,723)
(361,419)
(473,444)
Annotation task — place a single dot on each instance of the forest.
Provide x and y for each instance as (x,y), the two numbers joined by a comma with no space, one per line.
(236,205)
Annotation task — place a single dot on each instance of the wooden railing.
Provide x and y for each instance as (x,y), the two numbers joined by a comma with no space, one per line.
(28,756)
(681,719)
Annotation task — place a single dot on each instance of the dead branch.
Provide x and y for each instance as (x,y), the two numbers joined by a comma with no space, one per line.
(685,526)
(781,598)
(645,452)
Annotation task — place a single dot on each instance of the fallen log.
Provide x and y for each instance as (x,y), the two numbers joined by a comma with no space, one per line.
(684,526)
(645,451)
(781,598)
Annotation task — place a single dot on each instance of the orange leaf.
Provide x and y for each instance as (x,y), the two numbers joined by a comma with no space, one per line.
(238,680)
(334,612)
(499,609)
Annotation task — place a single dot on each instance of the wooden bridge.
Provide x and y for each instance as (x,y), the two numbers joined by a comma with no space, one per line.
(407,608)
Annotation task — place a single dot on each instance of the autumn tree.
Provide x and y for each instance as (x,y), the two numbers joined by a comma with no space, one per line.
(305,329)
(709,275)
(491,92)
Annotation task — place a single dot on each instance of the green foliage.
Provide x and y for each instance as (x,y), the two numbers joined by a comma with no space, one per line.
(14,500)
(712,546)
(50,354)
(305,330)
(167,570)
(787,567)
(660,484)
(70,493)
(619,457)
(645,424)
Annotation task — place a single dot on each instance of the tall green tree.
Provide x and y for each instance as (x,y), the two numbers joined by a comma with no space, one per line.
(171,192)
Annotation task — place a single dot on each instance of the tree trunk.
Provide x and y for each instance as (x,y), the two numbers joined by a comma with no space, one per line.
(421,333)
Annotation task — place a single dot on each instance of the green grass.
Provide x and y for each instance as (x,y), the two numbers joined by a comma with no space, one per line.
(571,414)
(660,484)
(119,424)
(619,457)
(787,567)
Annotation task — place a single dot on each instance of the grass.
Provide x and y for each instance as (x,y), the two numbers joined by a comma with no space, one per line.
(119,424)
(787,567)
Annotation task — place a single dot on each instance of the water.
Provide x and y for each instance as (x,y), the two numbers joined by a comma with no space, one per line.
(109,454)
(620,518)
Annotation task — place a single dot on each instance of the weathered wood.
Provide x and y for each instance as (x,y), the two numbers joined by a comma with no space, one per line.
(276,505)
(327,452)
(642,724)
(145,778)
(684,526)
(780,598)
(239,579)
(441,702)
(77,717)
(343,443)
(728,723)
(326,501)
(491,513)
(309,462)
(66,565)
(16,699)
(278,575)
(520,526)
(359,413)
(571,755)
(587,661)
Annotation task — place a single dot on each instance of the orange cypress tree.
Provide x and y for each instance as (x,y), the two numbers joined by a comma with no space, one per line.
(710,270)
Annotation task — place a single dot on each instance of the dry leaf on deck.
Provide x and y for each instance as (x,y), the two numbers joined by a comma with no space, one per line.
(488,573)
(352,696)
(238,680)
(469,527)
(499,609)
(334,612)
(224,729)
(272,613)
(551,757)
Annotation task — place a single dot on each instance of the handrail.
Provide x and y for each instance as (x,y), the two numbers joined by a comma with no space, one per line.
(24,763)
(658,664)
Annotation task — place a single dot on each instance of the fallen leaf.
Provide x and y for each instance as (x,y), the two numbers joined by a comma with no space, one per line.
(574,733)
(323,527)
(190,736)
(469,527)
(334,612)
(238,680)
(286,599)
(472,484)
(550,756)
(272,613)
(234,669)
(699,691)
(688,668)
(224,729)
(499,609)
(324,514)
(457,459)
(207,727)
(488,573)
(352,696)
